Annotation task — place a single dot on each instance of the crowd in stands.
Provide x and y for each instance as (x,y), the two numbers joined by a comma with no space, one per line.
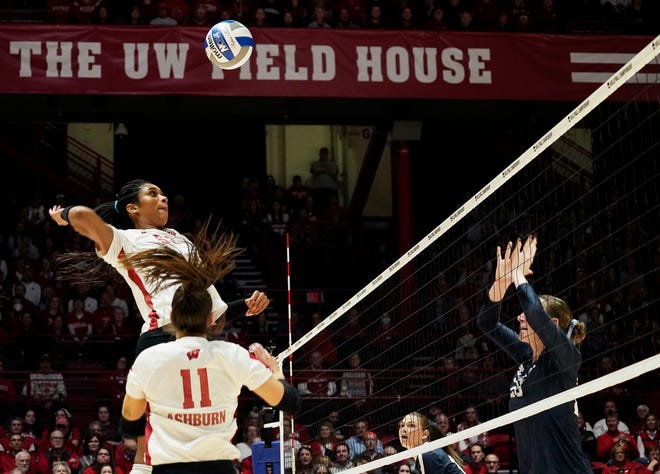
(47,327)
(547,16)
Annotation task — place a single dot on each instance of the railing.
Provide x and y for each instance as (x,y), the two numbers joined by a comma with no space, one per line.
(67,164)
(86,168)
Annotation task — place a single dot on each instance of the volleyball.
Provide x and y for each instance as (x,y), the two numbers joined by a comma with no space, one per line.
(228,44)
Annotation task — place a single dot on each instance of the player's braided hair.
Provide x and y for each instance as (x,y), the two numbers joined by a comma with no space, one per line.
(211,257)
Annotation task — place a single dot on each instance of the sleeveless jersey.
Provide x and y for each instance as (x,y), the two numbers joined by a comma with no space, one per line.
(192,387)
(155,307)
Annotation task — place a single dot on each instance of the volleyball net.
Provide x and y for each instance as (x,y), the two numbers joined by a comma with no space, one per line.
(589,189)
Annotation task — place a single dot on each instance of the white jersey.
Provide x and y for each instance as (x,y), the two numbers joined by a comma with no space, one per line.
(155,307)
(192,387)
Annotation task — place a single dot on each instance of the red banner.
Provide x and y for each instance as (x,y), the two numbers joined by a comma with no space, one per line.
(56,59)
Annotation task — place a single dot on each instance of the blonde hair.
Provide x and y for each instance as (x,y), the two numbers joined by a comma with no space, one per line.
(558,308)
(63,464)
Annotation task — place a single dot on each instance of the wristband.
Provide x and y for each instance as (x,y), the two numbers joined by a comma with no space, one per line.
(64,214)
(133,427)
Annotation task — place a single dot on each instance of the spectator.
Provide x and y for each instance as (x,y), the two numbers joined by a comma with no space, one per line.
(333,419)
(370,453)
(547,19)
(27,339)
(62,422)
(600,426)
(30,427)
(289,438)
(19,304)
(53,309)
(342,460)
(80,325)
(90,446)
(345,22)
(325,442)
(103,458)
(304,460)
(180,11)
(319,21)
(178,215)
(375,20)
(104,314)
(476,463)
(436,21)
(325,174)
(639,424)
(471,419)
(492,463)
(653,456)
(117,300)
(57,452)
(125,453)
(109,430)
(486,14)
(444,425)
(121,331)
(273,11)
(356,381)
(61,467)
(251,434)
(393,468)
(9,457)
(16,425)
(648,437)
(587,438)
(86,12)
(406,20)
(24,461)
(621,462)
(58,11)
(45,387)
(32,287)
(289,20)
(114,387)
(315,379)
(356,442)
(613,437)
(322,466)
(163,17)
(94,426)
(82,291)
(259,19)
(57,338)
(296,195)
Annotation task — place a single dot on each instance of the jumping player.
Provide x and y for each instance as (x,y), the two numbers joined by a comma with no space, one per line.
(545,348)
(189,388)
(136,221)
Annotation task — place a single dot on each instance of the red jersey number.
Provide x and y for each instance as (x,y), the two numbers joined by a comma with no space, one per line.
(204,396)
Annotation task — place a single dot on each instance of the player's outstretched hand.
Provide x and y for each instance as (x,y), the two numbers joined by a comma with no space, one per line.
(55,212)
(262,355)
(256,303)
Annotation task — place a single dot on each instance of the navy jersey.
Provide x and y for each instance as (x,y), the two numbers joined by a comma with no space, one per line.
(548,442)
(438,462)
